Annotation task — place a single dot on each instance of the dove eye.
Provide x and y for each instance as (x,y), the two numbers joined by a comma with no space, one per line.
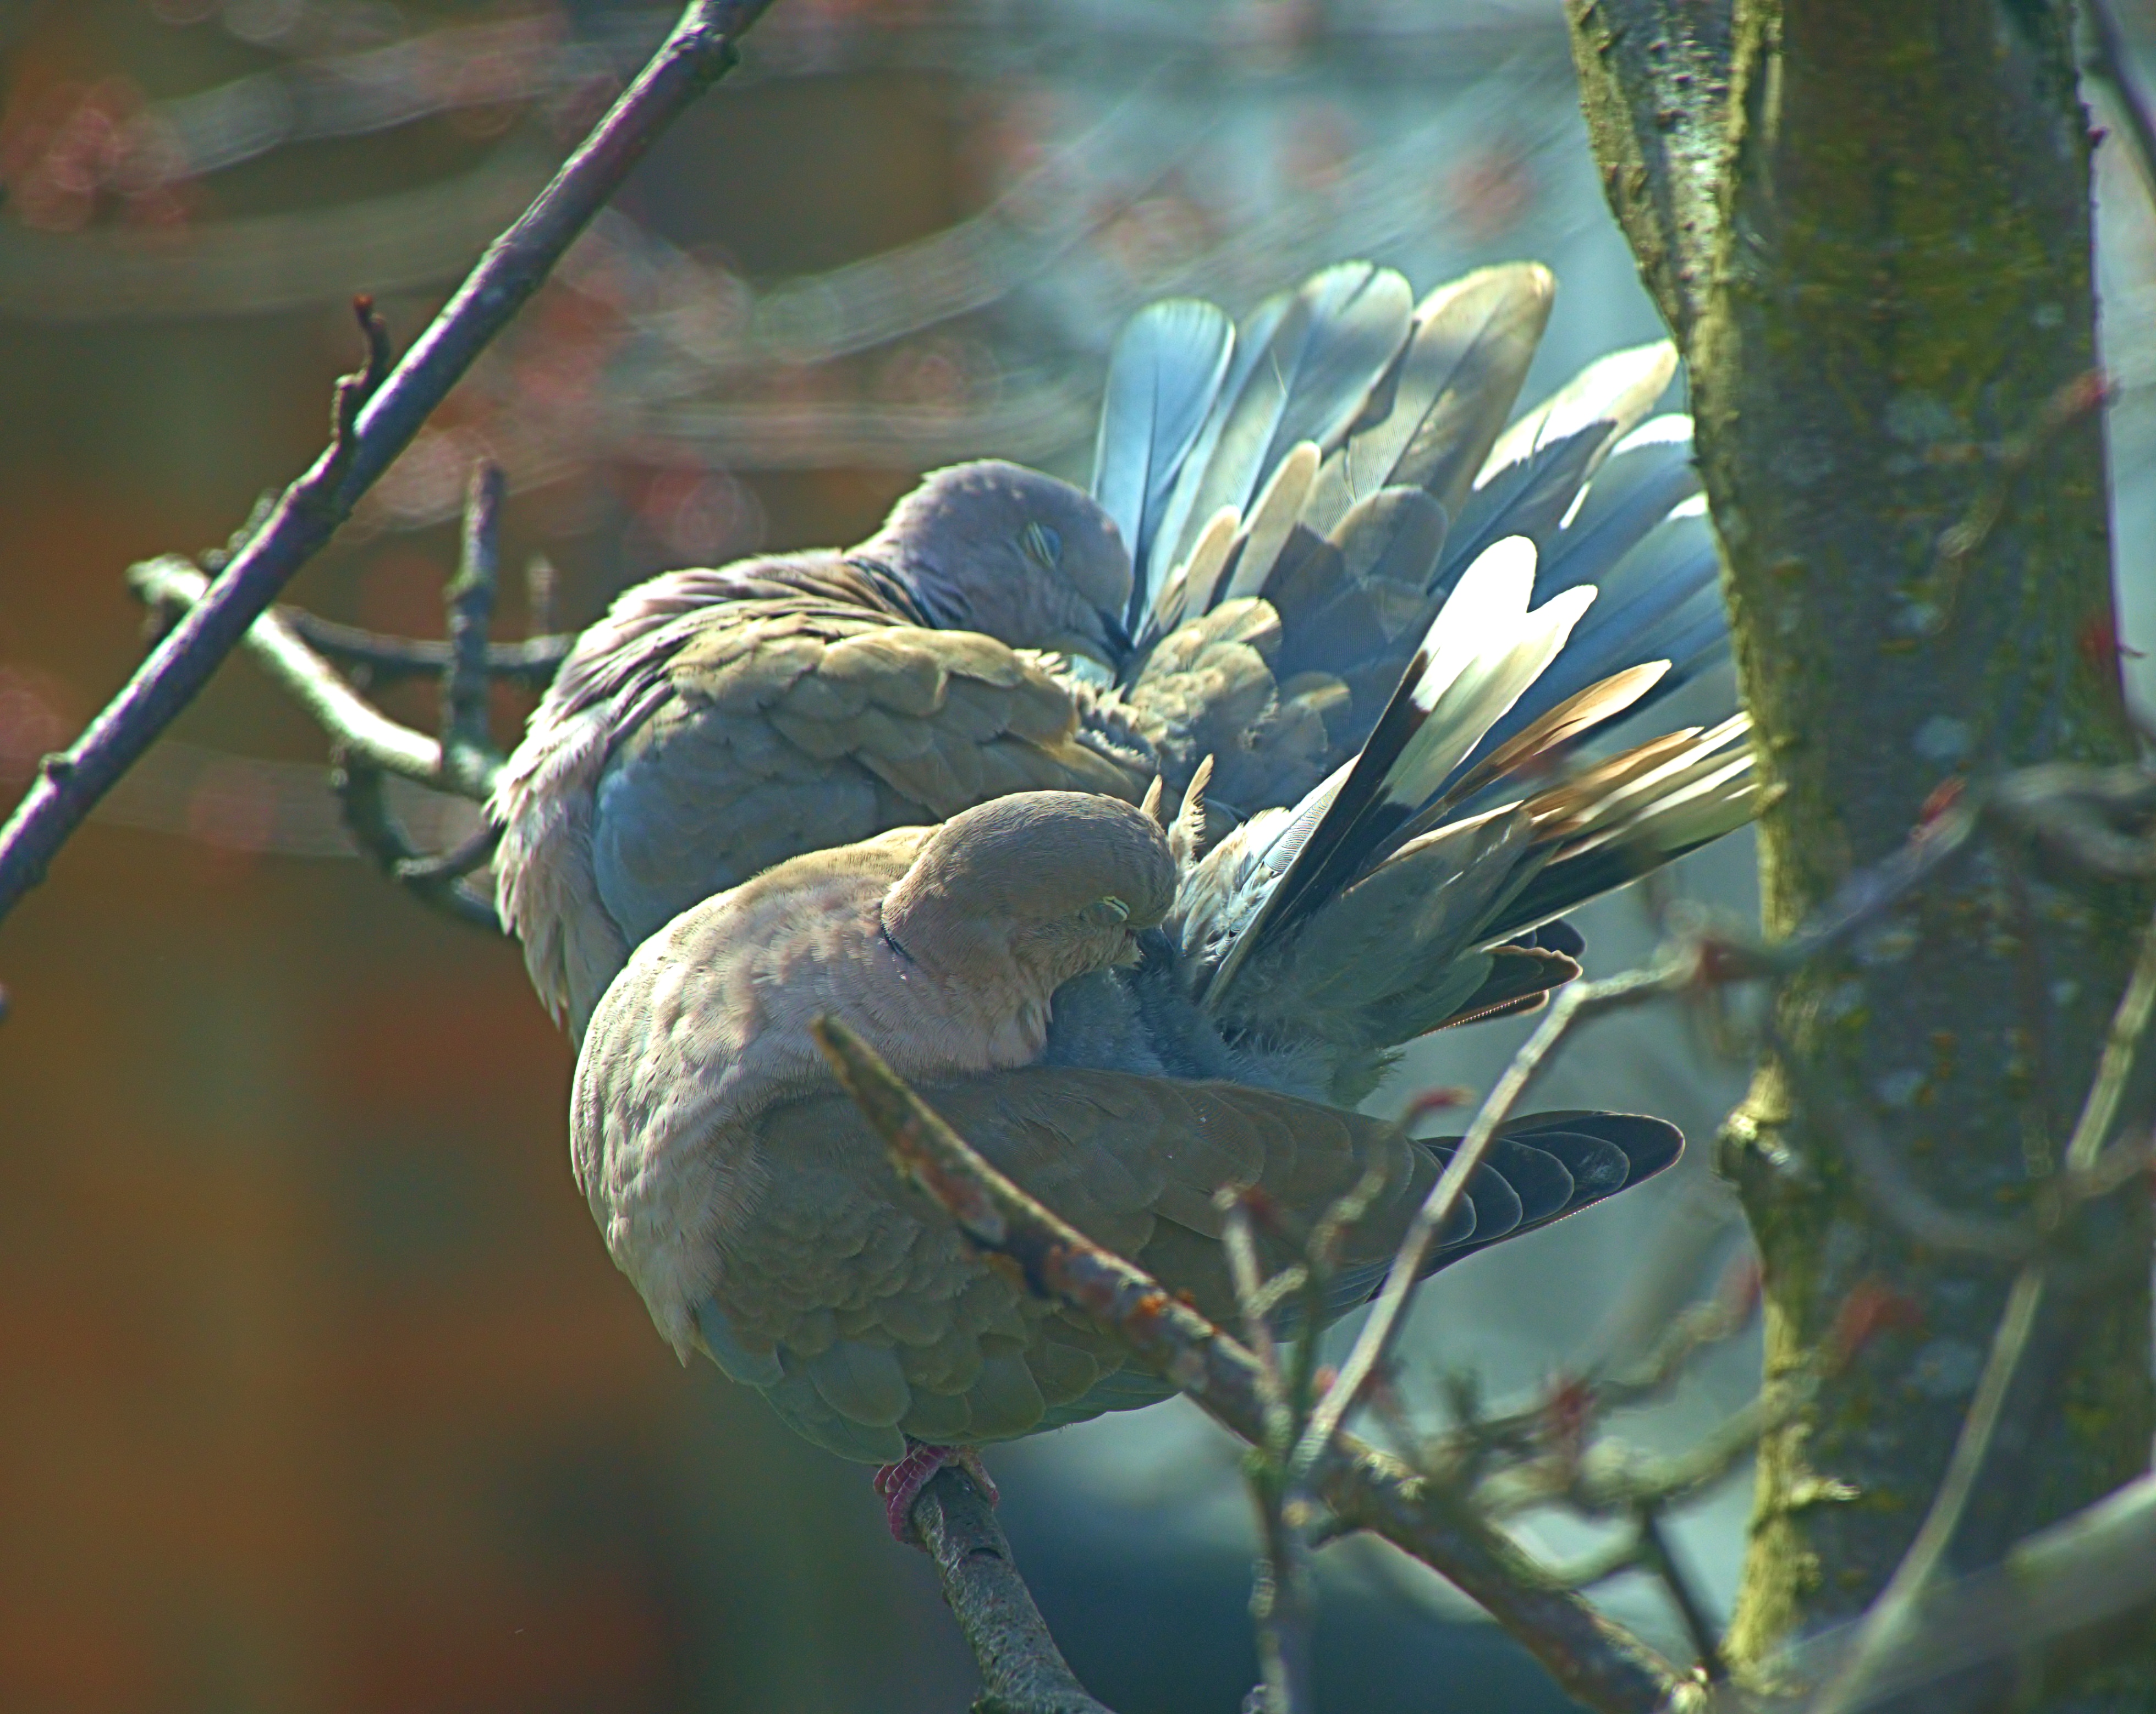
(1105,913)
(1042,545)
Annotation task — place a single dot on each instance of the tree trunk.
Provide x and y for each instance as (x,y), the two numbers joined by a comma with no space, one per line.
(1869,227)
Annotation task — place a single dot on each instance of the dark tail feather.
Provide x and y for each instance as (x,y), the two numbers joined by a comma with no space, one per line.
(1600,1154)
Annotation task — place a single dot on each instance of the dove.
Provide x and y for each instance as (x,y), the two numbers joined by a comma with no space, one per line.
(1278,510)
(760,1218)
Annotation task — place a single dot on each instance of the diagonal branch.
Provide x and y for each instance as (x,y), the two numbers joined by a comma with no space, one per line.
(1366,1361)
(1597,1662)
(376,416)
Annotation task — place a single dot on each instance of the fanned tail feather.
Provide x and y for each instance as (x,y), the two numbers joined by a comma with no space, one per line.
(1165,371)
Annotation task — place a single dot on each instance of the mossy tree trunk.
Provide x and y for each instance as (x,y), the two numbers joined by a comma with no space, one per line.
(1869,226)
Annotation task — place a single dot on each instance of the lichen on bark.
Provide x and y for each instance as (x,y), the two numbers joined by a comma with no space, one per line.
(1869,227)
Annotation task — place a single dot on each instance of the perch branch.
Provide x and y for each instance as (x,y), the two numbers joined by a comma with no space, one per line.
(377,413)
(1597,1662)
(1022,1670)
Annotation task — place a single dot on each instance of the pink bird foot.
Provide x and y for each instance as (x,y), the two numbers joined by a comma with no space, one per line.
(901,1483)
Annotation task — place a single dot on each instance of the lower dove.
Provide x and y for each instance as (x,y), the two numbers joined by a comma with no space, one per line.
(761,1220)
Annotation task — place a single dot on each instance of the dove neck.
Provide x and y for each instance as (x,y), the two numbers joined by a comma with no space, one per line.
(937,932)
(962,981)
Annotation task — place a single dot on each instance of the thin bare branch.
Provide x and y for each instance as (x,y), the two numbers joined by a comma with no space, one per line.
(363,729)
(378,414)
(436,881)
(1374,1343)
(531,663)
(1657,1555)
(469,757)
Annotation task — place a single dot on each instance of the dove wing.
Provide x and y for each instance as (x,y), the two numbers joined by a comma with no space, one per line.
(718,722)
(855,1306)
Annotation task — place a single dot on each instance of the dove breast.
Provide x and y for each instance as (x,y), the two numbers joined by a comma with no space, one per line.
(942,946)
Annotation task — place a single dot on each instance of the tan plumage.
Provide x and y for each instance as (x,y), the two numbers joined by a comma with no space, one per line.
(764,1225)
(942,945)
(860,1311)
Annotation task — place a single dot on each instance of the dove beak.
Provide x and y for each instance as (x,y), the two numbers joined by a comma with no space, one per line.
(1107,644)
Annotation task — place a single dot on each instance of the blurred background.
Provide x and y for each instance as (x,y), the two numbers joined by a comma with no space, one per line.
(316,1389)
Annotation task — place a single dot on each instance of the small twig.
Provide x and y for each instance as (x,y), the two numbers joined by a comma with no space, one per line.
(1606,1485)
(531,663)
(1279,1593)
(1596,1661)
(1864,896)
(469,757)
(1022,1670)
(363,729)
(436,881)
(1598,1565)
(1656,1555)
(376,418)
(2009,460)
(542,588)
(1373,1346)
(1280,1603)
(366,746)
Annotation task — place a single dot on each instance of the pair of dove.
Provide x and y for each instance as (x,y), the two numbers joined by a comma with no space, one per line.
(1306,572)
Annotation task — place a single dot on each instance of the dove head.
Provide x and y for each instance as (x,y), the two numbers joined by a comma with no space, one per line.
(1032,562)
(1033,889)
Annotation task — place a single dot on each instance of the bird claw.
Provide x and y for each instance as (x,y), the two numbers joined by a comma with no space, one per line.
(901,1483)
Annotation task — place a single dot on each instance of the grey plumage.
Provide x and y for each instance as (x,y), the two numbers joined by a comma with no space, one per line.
(1314,939)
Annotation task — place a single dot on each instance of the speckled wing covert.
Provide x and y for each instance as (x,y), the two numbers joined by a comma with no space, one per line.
(855,1305)
(716,722)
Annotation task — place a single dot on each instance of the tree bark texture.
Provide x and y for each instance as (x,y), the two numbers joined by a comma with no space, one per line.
(1869,226)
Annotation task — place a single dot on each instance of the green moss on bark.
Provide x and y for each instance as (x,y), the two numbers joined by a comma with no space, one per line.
(1885,313)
